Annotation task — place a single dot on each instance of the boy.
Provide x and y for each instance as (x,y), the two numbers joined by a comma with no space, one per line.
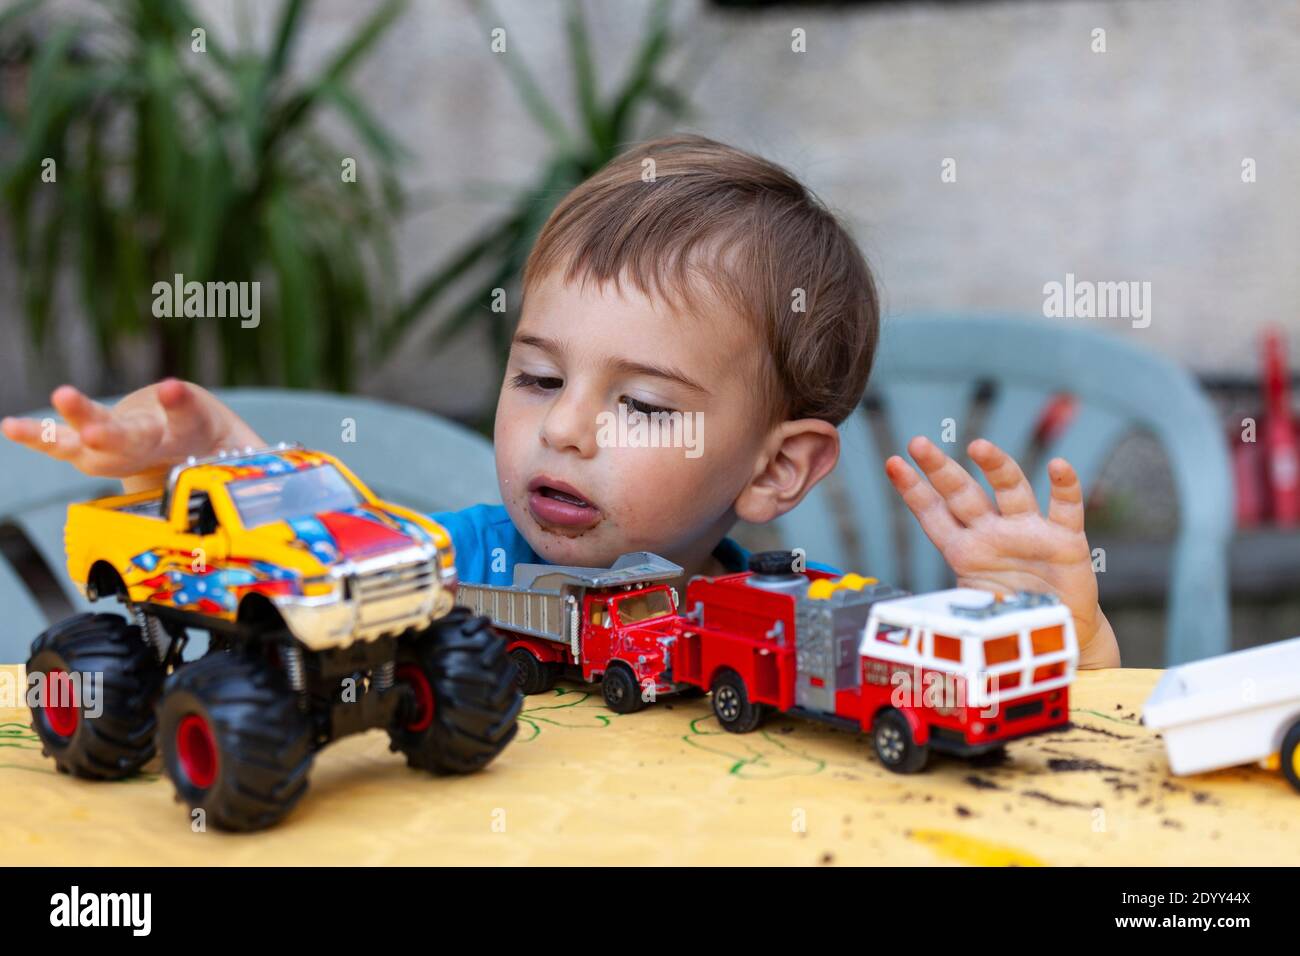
(667,283)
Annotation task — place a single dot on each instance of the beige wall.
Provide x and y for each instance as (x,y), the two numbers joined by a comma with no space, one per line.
(1113,166)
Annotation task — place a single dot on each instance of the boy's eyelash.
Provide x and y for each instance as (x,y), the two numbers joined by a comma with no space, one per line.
(524,380)
(550,382)
(645,408)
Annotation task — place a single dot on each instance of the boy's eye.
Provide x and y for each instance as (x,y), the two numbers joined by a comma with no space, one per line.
(547,382)
(633,405)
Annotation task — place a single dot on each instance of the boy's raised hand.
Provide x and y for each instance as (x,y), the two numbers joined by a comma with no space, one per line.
(140,437)
(1009,546)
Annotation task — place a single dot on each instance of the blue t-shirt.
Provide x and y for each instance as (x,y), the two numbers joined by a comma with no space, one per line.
(488,546)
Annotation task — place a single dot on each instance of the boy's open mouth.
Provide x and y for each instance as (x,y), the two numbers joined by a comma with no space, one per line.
(561,505)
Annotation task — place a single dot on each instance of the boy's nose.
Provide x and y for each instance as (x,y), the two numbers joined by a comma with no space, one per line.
(570,425)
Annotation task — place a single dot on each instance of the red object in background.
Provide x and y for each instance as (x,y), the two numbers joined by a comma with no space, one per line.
(1281,449)
(1056,417)
(1248,480)
(1267,470)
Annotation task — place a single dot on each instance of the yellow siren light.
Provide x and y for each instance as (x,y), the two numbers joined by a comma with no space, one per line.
(823,588)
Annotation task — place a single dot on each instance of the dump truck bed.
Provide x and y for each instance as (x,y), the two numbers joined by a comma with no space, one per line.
(538,613)
(542,602)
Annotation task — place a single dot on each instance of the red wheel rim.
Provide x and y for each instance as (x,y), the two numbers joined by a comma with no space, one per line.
(197,751)
(415,677)
(61,710)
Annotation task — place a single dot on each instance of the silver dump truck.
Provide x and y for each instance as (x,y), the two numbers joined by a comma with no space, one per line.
(617,625)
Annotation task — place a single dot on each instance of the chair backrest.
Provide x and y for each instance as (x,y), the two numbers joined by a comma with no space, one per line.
(929,371)
(405,455)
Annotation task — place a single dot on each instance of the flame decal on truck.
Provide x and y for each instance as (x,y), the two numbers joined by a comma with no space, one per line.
(173,582)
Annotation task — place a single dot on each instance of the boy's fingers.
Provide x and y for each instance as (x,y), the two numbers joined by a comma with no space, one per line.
(76,409)
(122,436)
(1010,487)
(923,501)
(965,498)
(175,397)
(1066,505)
(33,434)
(181,406)
(17,429)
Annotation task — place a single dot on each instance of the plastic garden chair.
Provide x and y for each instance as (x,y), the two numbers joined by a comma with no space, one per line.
(405,455)
(929,369)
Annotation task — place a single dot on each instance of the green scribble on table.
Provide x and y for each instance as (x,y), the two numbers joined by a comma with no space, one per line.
(14,734)
(563,714)
(1097,713)
(772,759)
(140,776)
(22,737)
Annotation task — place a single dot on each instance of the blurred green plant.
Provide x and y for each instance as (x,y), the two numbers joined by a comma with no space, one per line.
(209,163)
(494,258)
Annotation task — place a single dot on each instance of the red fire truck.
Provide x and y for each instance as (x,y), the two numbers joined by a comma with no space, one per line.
(959,671)
(616,625)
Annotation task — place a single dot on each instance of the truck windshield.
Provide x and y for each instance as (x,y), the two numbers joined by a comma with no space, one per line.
(294,494)
(643,607)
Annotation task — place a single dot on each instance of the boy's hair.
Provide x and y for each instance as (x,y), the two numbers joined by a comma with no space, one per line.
(700,223)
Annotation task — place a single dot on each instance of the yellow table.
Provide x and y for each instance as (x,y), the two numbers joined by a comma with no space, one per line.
(582,785)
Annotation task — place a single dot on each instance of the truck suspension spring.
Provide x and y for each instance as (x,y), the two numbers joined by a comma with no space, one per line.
(152,631)
(293,666)
(382,677)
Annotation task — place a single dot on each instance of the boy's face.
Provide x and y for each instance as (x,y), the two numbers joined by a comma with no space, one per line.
(574,487)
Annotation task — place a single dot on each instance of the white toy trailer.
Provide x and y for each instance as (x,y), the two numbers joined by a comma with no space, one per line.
(1235,709)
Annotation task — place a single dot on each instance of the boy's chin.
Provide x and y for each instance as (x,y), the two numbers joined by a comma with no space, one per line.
(596,547)
(592,548)
(579,549)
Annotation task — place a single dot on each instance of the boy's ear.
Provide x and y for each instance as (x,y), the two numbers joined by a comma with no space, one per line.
(796,456)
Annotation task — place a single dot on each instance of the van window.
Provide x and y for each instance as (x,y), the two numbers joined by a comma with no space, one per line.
(947,648)
(1046,640)
(898,636)
(1049,671)
(1001,650)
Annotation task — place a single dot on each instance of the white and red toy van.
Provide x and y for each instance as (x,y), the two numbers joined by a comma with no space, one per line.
(963,671)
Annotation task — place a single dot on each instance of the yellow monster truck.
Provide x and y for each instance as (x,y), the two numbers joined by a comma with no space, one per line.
(328,612)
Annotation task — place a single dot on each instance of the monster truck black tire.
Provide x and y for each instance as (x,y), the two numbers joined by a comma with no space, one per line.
(532,675)
(620,690)
(120,740)
(465,693)
(234,742)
